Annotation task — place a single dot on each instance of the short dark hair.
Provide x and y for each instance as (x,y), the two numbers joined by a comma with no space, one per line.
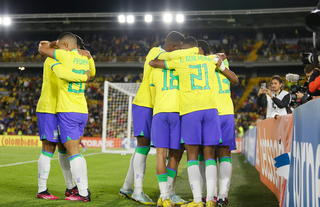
(190,41)
(277,77)
(65,35)
(309,68)
(174,38)
(80,42)
(205,46)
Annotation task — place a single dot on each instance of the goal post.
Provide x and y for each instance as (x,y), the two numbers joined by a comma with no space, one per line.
(117,128)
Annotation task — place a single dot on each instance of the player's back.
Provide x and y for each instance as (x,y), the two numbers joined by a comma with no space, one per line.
(196,77)
(222,91)
(166,87)
(48,99)
(71,94)
(143,97)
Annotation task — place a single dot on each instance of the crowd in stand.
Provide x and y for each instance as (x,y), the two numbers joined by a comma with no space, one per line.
(105,47)
(19,117)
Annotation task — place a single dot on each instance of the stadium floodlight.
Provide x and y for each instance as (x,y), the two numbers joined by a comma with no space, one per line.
(180,18)
(0,21)
(167,18)
(148,18)
(6,21)
(130,19)
(122,18)
(22,68)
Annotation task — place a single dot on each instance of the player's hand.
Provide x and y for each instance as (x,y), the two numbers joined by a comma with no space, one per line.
(88,75)
(85,53)
(299,95)
(222,56)
(43,43)
(53,44)
(200,51)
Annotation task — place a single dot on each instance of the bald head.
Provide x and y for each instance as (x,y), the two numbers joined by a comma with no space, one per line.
(67,41)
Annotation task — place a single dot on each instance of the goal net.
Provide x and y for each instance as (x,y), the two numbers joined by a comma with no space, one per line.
(117,128)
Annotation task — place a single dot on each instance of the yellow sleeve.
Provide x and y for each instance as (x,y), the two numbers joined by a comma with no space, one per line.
(152,88)
(226,63)
(92,67)
(61,55)
(67,75)
(178,53)
(171,64)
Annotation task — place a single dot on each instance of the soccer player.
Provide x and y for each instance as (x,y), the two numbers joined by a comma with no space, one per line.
(165,130)
(48,127)
(199,116)
(72,108)
(226,116)
(142,111)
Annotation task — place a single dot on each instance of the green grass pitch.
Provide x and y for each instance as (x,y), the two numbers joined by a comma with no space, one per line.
(106,174)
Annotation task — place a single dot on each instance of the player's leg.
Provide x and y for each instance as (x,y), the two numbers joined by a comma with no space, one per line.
(191,134)
(225,169)
(160,132)
(71,127)
(142,118)
(64,162)
(49,136)
(211,134)
(202,167)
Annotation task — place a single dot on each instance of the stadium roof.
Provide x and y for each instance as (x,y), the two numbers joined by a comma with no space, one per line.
(210,19)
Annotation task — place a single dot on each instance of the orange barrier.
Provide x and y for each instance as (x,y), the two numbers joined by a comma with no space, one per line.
(20,141)
(239,145)
(94,142)
(273,139)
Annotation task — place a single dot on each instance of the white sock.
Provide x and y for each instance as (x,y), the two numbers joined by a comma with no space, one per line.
(224,176)
(65,167)
(43,170)
(172,176)
(127,185)
(202,167)
(79,172)
(217,187)
(211,177)
(194,180)
(139,167)
(229,182)
(163,186)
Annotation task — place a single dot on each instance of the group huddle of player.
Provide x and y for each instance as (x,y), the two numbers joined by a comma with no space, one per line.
(62,114)
(184,102)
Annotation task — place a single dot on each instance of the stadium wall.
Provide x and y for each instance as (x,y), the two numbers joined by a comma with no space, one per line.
(297,135)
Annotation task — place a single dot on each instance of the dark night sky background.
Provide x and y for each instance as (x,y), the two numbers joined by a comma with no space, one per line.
(78,6)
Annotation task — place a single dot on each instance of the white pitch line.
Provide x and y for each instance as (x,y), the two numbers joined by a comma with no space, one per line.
(20,163)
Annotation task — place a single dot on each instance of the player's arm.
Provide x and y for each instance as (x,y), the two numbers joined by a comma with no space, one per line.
(223,66)
(91,61)
(178,53)
(67,75)
(157,64)
(46,48)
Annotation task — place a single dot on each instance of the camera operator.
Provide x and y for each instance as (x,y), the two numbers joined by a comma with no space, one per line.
(314,83)
(276,100)
(304,98)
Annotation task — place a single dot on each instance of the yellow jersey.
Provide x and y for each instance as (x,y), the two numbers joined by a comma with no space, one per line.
(48,99)
(223,93)
(196,78)
(164,90)
(143,96)
(71,94)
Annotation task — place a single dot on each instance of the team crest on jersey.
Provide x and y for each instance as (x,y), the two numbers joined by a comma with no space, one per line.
(55,134)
